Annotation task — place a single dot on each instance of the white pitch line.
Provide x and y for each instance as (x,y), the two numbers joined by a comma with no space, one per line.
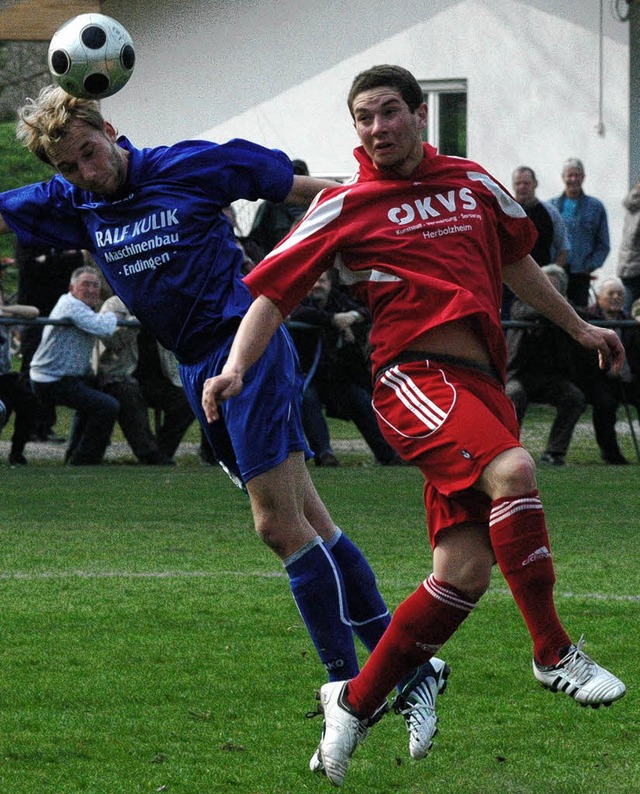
(7,576)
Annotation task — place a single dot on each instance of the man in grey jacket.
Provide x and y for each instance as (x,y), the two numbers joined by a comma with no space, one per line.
(61,371)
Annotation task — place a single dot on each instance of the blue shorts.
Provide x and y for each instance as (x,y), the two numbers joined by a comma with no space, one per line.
(262,425)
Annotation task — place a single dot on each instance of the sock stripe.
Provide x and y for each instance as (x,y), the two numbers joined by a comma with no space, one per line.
(505,510)
(369,620)
(338,581)
(448,597)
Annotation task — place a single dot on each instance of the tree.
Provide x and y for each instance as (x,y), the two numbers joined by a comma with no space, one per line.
(23,72)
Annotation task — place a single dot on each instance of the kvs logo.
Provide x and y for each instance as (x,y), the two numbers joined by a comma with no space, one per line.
(455,201)
(433,206)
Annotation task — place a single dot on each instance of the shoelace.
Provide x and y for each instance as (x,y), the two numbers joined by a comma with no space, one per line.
(418,710)
(578,663)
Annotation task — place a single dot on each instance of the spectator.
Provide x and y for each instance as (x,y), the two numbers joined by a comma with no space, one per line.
(629,252)
(43,276)
(538,370)
(607,391)
(552,244)
(117,362)
(61,367)
(586,220)
(273,220)
(157,374)
(337,372)
(15,391)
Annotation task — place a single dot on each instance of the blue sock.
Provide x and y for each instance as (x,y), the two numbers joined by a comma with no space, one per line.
(367,609)
(318,591)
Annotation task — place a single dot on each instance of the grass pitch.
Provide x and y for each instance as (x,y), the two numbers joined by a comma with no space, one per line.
(150,644)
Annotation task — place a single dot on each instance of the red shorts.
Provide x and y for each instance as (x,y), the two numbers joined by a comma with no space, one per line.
(450,421)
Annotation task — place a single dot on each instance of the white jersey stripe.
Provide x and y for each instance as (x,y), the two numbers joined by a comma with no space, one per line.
(317,217)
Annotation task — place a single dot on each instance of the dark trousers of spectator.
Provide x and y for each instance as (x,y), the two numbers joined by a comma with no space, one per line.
(351,402)
(17,395)
(578,289)
(607,395)
(563,394)
(96,414)
(313,422)
(176,416)
(133,418)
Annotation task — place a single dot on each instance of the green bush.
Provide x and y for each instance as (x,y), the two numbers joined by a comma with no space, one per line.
(17,167)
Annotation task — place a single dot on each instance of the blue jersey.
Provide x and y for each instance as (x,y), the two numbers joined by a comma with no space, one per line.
(163,243)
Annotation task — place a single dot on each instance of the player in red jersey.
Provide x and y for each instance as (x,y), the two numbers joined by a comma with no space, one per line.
(429,240)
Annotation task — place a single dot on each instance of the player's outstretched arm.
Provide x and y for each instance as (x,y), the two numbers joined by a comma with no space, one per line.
(531,285)
(305,189)
(251,340)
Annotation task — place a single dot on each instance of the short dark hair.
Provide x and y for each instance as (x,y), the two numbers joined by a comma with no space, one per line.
(387,75)
(300,167)
(521,168)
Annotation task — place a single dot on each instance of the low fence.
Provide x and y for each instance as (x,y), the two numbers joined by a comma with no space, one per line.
(295,324)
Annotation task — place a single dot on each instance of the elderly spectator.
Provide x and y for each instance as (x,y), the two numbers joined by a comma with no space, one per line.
(605,391)
(61,371)
(43,276)
(586,220)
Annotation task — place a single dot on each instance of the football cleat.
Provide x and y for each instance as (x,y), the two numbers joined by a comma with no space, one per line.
(417,704)
(342,732)
(578,676)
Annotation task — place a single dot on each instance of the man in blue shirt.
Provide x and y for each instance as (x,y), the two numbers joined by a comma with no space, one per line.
(154,221)
(586,220)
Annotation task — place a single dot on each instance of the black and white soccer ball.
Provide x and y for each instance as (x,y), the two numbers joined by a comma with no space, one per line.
(91,56)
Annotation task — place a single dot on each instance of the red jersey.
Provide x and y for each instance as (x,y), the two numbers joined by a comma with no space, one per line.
(423,251)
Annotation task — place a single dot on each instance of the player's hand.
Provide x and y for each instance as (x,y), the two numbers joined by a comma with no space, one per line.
(218,389)
(606,343)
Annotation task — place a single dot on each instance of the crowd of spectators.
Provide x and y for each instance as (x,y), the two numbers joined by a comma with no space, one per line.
(110,372)
(104,371)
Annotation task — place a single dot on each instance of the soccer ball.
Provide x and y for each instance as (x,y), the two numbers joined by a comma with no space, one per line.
(91,56)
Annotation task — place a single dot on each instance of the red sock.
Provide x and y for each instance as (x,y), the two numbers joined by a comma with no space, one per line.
(419,626)
(521,544)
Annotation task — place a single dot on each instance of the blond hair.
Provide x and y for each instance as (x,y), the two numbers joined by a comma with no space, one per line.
(44,121)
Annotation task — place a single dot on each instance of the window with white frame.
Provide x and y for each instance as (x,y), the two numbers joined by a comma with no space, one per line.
(447,124)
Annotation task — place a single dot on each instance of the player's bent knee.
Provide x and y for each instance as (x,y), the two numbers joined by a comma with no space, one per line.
(511,473)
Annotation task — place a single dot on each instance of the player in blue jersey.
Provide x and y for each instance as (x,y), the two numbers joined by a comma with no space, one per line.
(153,220)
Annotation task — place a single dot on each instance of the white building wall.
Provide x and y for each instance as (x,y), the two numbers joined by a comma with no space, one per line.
(543,84)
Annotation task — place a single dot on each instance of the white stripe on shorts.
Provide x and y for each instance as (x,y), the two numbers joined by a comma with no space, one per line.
(413,399)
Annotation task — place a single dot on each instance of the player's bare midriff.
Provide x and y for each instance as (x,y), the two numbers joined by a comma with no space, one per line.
(453,339)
